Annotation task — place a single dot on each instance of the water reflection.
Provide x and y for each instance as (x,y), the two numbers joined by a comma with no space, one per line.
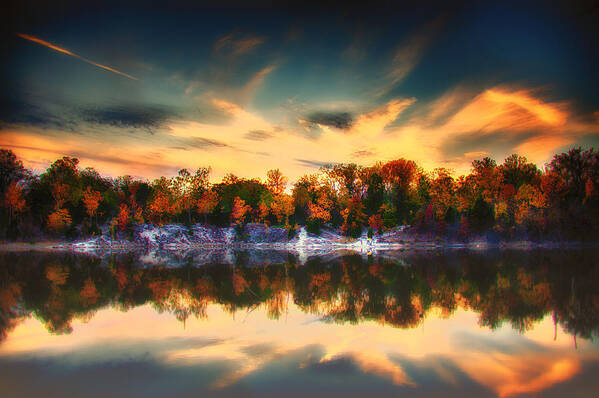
(497,323)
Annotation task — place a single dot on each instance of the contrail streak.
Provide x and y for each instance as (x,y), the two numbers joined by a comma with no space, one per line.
(72,54)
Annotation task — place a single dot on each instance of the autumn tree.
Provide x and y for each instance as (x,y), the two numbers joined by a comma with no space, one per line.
(443,195)
(305,191)
(399,176)
(124,217)
(60,194)
(489,179)
(276,181)
(239,210)
(11,169)
(345,178)
(529,205)
(188,187)
(282,208)
(517,171)
(263,212)
(372,179)
(207,203)
(91,200)
(14,201)
(59,220)
(354,218)
(163,204)
(319,213)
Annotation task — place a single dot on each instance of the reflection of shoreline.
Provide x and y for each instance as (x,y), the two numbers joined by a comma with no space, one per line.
(519,287)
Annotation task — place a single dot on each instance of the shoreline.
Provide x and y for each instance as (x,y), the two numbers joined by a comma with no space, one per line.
(126,246)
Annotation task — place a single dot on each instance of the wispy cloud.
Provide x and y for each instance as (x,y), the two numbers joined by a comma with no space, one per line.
(250,88)
(72,54)
(408,53)
(236,44)
(149,117)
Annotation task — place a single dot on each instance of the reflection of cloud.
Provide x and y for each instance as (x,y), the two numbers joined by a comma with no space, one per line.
(67,52)
(502,360)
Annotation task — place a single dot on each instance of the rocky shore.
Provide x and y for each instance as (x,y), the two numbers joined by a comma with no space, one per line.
(177,244)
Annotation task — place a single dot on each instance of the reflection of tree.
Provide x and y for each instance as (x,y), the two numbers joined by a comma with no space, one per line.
(517,287)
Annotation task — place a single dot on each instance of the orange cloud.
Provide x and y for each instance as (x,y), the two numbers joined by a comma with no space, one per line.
(514,118)
(67,52)
(541,148)
(500,109)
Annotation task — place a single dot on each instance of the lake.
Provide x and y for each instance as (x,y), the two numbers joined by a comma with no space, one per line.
(496,323)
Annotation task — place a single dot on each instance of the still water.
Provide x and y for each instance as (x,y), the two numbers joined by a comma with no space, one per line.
(455,323)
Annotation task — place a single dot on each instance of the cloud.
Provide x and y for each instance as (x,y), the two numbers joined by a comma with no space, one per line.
(67,52)
(249,90)
(148,117)
(236,44)
(541,148)
(312,163)
(408,53)
(363,154)
(340,120)
(205,143)
(496,121)
(503,108)
(14,111)
(369,125)
(258,135)
(41,153)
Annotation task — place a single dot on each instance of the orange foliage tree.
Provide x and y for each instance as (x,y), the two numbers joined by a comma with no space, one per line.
(161,207)
(91,200)
(320,211)
(263,211)
(276,181)
(14,201)
(60,194)
(239,210)
(59,220)
(207,203)
(123,217)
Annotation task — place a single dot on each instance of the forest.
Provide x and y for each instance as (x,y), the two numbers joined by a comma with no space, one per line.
(511,200)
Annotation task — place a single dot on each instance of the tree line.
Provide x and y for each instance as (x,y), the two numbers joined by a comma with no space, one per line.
(513,199)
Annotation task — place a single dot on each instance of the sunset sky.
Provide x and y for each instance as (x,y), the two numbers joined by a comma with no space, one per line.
(147,91)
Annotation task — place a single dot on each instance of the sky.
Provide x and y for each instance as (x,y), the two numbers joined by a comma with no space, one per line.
(148,90)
